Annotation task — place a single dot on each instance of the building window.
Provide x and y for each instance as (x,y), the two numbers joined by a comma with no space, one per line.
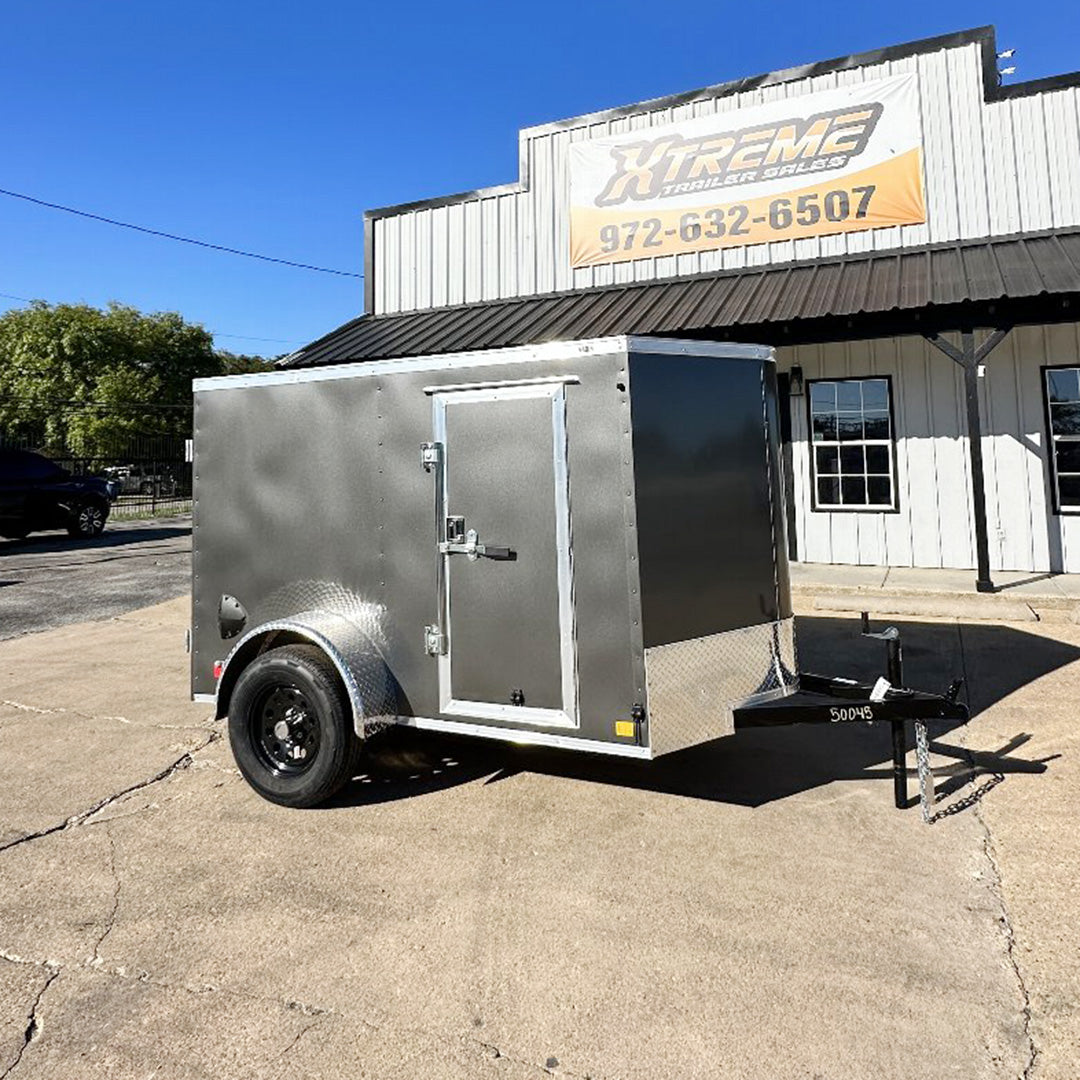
(1063,407)
(853,454)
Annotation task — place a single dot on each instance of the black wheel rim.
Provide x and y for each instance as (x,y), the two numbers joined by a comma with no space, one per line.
(285,730)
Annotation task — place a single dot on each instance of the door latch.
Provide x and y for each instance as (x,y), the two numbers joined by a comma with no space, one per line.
(455,530)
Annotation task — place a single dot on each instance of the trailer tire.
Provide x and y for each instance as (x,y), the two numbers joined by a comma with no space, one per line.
(290,726)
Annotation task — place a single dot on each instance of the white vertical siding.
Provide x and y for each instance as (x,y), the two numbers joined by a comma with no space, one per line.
(471,252)
(489,249)
(406,261)
(526,253)
(542,184)
(455,242)
(1002,180)
(508,244)
(990,168)
(1032,163)
(933,526)
(1062,127)
(969,145)
(425,267)
(440,276)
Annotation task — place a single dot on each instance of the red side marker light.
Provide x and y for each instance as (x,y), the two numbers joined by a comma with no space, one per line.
(219,667)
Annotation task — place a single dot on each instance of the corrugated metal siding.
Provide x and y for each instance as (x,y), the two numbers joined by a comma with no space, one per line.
(933,527)
(992,168)
(1015,268)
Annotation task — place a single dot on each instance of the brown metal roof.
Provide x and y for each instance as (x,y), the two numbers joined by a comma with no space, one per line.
(754,304)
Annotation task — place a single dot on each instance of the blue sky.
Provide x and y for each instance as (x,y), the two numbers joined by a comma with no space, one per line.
(272,126)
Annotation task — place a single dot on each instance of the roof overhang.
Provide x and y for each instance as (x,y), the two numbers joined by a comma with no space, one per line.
(1026,278)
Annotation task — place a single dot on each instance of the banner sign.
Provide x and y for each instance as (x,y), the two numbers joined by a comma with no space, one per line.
(839,161)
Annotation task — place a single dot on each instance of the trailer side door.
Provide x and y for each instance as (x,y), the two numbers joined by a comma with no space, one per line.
(505,633)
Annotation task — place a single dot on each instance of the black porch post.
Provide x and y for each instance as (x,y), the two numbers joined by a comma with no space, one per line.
(970,358)
(978,483)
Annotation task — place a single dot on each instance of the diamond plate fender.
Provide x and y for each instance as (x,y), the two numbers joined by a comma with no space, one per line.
(371,687)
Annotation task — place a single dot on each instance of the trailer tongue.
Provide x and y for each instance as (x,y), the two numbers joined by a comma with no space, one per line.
(822,699)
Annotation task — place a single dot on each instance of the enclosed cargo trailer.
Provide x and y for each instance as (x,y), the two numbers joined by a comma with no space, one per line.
(576,544)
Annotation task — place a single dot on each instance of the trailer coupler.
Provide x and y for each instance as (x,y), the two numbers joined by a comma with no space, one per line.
(829,700)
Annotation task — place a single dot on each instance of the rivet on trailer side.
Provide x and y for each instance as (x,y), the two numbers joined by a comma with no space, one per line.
(576,545)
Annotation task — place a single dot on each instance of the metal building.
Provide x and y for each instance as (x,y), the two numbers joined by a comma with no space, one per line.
(899,225)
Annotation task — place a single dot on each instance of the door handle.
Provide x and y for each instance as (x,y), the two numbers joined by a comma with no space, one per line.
(502,554)
(473,549)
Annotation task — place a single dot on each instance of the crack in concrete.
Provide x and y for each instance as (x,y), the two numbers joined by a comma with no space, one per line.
(38,710)
(318,1013)
(206,763)
(110,922)
(472,1044)
(1010,940)
(15,958)
(181,763)
(497,1053)
(33,1027)
(299,1035)
(551,1066)
(996,885)
(121,972)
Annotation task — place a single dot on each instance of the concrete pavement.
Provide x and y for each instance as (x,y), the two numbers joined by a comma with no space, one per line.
(754,908)
(1019,596)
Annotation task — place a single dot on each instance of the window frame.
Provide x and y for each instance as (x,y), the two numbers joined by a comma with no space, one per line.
(829,508)
(1051,455)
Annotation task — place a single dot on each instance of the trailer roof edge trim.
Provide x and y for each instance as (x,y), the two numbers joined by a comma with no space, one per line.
(547,351)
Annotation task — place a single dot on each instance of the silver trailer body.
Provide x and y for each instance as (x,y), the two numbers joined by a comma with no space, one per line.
(576,544)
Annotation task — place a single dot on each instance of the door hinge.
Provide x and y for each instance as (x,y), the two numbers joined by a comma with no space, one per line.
(434,641)
(430,455)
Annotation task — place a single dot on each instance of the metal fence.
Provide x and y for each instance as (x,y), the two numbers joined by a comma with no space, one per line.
(152,472)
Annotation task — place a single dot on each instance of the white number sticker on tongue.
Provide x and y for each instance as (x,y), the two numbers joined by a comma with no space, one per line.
(881,688)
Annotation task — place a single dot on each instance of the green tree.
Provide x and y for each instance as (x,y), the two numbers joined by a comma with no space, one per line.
(240,363)
(83,381)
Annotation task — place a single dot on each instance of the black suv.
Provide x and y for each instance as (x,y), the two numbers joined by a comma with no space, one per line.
(35,494)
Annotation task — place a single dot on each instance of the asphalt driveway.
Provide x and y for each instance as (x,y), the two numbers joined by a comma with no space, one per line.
(51,579)
(754,908)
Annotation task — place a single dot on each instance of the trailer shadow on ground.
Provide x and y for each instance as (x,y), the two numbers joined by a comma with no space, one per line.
(759,766)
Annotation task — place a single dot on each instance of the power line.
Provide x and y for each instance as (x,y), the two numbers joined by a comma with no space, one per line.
(248,337)
(173,236)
